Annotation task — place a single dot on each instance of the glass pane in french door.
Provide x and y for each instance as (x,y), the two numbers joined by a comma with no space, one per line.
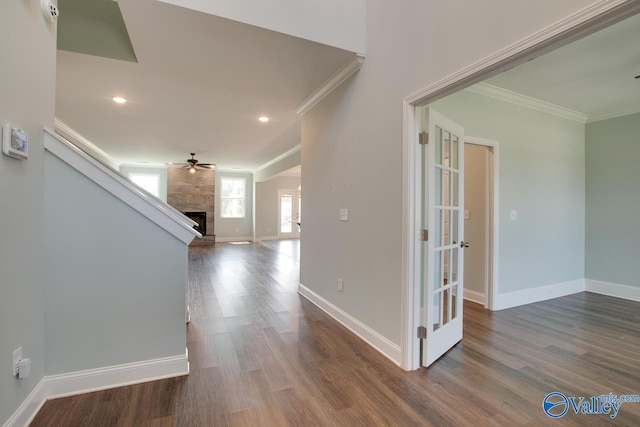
(446,228)
(443,281)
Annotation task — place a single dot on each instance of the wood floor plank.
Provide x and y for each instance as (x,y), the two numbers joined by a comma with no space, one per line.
(261,355)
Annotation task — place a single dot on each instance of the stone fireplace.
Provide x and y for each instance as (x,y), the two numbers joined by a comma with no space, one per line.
(193,194)
(200,218)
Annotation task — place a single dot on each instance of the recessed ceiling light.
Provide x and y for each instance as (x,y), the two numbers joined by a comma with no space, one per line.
(263,119)
(119,100)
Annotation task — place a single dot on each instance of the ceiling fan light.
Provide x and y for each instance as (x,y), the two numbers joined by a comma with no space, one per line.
(192,169)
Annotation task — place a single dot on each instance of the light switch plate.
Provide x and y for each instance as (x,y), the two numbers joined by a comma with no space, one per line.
(344,214)
(17,355)
(466,214)
(514,215)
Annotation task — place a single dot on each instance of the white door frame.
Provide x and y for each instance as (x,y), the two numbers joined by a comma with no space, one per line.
(582,23)
(295,232)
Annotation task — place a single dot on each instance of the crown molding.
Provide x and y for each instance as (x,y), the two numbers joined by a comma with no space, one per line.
(89,147)
(334,81)
(620,113)
(280,157)
(586,21)
(527,102)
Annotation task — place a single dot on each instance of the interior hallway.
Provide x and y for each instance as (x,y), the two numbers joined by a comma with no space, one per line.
(261,355)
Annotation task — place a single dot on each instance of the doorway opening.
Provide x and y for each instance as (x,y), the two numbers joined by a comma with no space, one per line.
(414,252)
(289,214)
(481,219)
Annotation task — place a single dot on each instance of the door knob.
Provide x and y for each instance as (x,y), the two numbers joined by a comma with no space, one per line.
(464,244)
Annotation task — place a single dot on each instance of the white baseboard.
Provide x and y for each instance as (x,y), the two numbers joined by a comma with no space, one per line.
(541,293)
(373,338)
(116,376)
(233,239)
(613,289)
(27,411)
(54,386)
(474,296)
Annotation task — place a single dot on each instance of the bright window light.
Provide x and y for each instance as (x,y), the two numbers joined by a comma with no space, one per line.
(232,197)
(148,181)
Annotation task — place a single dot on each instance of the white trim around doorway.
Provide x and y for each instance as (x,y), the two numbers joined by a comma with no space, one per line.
(592,18)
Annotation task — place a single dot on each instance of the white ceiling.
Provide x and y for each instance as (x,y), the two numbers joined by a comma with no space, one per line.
(594,75)
(199,85)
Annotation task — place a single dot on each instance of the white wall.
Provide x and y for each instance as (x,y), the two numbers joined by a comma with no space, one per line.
(335,23)
(267,204)
(352,142)
(115,280)
(234,228)
(27,86)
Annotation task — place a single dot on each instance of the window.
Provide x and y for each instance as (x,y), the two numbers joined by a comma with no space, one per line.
(148,181)
(232,197)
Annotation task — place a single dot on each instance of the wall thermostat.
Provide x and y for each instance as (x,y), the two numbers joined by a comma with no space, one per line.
(15,142)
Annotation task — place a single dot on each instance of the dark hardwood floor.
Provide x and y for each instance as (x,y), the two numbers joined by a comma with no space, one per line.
(261,355)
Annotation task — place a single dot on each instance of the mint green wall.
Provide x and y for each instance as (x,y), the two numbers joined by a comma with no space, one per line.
(115,280)
(542,176)
(613,200)
(27,95)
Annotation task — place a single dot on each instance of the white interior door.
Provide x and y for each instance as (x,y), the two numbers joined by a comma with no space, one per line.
(443,216)
(289,203)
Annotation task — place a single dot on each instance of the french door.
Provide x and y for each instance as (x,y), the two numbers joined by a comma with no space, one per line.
(443,249)
(289,219)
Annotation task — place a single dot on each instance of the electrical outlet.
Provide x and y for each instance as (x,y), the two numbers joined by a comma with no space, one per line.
(514,215)
(340,285)
(17,355)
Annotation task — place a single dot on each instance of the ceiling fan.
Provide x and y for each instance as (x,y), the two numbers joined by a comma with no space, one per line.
(193,164)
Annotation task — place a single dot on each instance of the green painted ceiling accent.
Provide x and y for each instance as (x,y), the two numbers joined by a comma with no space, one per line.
(94,27)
